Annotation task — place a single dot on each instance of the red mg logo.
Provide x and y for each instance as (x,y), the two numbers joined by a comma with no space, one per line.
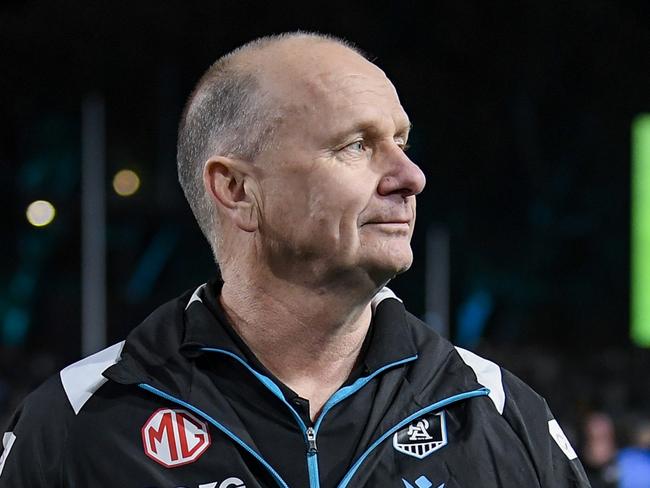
(174,437)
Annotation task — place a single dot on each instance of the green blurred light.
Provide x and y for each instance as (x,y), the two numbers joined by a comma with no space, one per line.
(640,229)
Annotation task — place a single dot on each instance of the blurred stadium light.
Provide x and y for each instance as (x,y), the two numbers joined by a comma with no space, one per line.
(126,182)
(40,213)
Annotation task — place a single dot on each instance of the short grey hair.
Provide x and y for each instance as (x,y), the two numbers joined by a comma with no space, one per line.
(229,114)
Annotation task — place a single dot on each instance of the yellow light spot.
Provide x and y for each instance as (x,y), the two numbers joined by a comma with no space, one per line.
(126,182)
(40,213)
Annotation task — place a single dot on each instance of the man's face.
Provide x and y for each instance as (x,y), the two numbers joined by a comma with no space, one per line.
(337,190)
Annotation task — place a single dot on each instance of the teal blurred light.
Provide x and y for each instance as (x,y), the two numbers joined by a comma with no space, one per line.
(15,326)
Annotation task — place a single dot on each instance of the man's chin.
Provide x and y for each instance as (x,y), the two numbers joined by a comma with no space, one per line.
(384,270)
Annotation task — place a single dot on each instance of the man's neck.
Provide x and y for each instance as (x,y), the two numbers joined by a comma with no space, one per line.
(309,339)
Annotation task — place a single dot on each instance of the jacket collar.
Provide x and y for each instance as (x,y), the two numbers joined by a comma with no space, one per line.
(206,326)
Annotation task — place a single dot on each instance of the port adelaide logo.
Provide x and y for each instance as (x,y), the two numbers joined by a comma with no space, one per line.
(422,436)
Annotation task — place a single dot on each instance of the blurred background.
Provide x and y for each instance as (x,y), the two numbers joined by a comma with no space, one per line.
(528,122)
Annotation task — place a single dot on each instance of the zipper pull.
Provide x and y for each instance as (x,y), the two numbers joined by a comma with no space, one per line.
(311,441)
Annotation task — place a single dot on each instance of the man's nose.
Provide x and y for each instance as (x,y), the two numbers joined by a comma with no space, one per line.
(402,175)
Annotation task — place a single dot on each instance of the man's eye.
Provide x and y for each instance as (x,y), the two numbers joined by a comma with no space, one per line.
(356,146)
(401,142)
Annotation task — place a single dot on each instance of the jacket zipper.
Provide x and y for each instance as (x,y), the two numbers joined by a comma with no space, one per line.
(310,433)
(311,441)
(312,458)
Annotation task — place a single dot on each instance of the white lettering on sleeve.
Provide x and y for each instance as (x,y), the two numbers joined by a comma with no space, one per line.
(561,440)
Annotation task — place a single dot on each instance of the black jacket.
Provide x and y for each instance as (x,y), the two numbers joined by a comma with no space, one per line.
(179,405)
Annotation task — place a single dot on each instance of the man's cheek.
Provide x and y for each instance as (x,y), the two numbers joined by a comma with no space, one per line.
(348,233)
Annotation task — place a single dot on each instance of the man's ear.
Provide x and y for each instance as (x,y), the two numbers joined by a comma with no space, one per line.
(231,186)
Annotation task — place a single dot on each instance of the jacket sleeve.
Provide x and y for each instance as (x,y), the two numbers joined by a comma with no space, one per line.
(556,462)
(32,444)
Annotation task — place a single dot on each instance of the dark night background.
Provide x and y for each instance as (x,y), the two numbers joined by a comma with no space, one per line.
(521,113)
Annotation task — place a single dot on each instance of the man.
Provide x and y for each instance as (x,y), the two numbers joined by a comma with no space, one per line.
(298,368)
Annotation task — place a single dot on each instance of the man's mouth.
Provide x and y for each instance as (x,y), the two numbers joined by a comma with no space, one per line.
(391,226)
(397,221)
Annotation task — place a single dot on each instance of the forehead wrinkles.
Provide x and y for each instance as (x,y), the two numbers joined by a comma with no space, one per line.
(331,99)
(334,90)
